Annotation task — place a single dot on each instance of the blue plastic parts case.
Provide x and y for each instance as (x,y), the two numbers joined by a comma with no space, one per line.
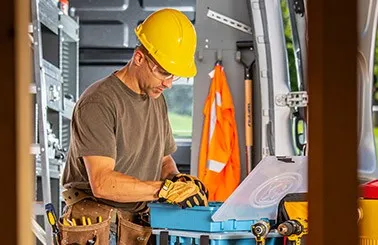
(175,237)
(167,216)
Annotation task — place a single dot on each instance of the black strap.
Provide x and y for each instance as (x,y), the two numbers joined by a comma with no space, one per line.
(164,238)
(204,240)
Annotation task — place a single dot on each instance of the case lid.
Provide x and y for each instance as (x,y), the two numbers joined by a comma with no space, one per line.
(257,197)
(370,190)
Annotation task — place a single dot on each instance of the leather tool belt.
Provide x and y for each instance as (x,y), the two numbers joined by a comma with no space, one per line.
(86,221)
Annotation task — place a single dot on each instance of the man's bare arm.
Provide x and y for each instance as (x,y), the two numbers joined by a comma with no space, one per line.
(169,168)
(111,185)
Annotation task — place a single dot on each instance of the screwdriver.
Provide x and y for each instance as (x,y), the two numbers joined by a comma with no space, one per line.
(51,217)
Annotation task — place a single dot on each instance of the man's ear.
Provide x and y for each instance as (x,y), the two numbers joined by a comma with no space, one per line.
(138,57)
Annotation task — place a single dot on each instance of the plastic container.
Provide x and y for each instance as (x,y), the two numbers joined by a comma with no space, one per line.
(200,238)
(370,190)
(367,213)
(167,216)
(258,196)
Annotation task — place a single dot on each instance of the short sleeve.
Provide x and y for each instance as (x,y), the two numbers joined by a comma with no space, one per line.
(93,130)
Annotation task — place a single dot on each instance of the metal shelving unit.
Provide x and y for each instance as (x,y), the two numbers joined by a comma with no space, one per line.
(54,38)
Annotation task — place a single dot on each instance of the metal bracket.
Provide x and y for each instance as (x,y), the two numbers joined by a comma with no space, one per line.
(292,99)
(35,149)
(228,21)
(299,7)
(32,88)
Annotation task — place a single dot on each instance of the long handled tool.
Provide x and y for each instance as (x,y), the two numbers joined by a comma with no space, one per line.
(246,56)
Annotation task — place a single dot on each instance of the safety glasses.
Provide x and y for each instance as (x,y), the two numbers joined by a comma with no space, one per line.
(159,72)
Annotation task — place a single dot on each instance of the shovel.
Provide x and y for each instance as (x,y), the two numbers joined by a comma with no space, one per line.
(246,56)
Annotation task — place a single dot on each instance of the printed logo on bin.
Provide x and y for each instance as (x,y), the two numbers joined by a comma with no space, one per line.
(273,190)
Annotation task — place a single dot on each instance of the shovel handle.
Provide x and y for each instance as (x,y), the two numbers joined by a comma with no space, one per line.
(248,124)
(248,112)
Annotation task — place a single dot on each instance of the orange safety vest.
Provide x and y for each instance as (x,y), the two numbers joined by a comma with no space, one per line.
(219,158)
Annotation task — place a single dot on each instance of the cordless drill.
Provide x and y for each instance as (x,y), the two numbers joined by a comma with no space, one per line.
(260,230)
(294,230)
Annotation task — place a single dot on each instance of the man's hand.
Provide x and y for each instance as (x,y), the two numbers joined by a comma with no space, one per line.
(191,178)
(184,194)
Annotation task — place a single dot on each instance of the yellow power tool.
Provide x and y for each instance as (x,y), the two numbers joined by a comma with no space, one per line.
(260,230)
(294,230)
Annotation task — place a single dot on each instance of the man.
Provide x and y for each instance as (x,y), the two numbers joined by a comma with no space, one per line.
(121,139)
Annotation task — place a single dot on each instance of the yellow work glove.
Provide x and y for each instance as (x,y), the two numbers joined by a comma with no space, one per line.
(183,194)
(190,178)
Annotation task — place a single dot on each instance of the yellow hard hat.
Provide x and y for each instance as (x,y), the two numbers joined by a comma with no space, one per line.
(170,38)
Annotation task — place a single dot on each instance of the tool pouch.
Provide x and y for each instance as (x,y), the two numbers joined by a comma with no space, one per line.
(79,234)
(130,232)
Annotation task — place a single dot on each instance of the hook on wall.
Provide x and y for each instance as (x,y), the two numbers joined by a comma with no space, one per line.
(218,56)
(200,54)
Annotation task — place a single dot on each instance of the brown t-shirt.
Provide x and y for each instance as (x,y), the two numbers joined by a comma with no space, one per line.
(112,120)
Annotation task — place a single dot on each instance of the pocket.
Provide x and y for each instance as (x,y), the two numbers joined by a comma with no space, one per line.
(131,233)
(81,234)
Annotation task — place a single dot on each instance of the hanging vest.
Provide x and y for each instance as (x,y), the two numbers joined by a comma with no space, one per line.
(219,158)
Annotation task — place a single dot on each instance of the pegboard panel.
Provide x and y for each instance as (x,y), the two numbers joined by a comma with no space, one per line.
(218,40)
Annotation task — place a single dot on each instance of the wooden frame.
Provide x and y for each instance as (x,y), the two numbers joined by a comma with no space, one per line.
(332,122)
(16,168)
